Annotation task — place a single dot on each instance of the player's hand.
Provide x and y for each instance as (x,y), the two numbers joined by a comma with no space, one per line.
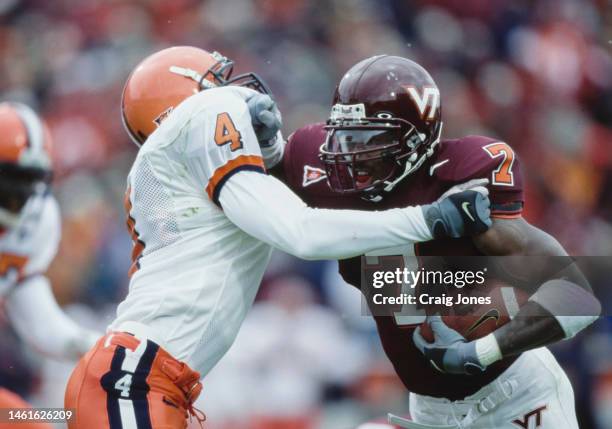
(479,185)
(462,210)
(450,352)
(265,117)
(267,122)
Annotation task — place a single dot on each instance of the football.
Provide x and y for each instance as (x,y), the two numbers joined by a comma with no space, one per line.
(476,321)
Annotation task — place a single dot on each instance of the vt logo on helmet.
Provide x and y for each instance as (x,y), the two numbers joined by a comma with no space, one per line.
(427,101)
(385,122)
(25,160)
(163,80)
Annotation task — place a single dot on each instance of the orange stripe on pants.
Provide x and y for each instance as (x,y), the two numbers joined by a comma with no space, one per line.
(171,386)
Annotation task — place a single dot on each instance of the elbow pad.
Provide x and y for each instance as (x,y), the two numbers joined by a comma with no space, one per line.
(574,307)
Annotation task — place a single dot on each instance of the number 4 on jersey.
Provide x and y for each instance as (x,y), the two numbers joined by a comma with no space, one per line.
(226,132)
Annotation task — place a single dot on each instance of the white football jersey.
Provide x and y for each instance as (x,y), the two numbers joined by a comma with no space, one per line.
(28,248)
(195,273)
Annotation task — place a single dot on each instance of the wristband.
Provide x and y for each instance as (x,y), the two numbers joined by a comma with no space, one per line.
(487,350)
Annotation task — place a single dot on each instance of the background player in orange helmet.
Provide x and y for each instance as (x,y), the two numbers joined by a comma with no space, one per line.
(29,235)
(382,148)
(204,217)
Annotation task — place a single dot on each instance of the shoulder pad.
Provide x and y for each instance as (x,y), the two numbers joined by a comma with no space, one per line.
(474,157)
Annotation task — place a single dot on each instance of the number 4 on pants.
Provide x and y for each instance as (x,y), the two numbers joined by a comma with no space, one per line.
(124,385)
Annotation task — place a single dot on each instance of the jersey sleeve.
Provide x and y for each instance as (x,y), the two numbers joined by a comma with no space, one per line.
(475,157)
(222,142)
(288,162)
(44,240)
(266,209)
(303,170)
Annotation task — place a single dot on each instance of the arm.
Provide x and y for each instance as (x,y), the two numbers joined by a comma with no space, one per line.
(564,303)
(561,307)
(267,123)
(265,208)
(39,320)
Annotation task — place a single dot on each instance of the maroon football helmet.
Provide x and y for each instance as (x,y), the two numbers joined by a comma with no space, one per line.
(385,122)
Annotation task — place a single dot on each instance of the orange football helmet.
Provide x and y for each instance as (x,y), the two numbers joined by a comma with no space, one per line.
(25,159)
(163,80)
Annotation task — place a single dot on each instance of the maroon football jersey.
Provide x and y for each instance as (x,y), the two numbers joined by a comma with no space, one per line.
(453,162)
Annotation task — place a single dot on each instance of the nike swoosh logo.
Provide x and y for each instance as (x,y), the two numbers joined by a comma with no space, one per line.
(439,164)
(465,206)
(491,314)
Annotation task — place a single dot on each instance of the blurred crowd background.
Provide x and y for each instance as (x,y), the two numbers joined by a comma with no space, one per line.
(537,74)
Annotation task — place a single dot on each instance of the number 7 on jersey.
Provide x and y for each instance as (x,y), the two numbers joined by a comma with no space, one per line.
(503,175)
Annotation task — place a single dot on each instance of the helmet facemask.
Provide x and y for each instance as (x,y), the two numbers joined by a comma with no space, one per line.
(17,185)
(220,74)
(370,155)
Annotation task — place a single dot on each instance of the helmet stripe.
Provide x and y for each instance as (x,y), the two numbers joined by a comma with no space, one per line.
(32,124)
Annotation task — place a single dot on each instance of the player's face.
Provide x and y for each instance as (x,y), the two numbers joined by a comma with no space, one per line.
(362,157)
(17,186)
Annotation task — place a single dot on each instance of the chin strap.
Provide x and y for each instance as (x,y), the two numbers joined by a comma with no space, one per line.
(376,197)
(413,163)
